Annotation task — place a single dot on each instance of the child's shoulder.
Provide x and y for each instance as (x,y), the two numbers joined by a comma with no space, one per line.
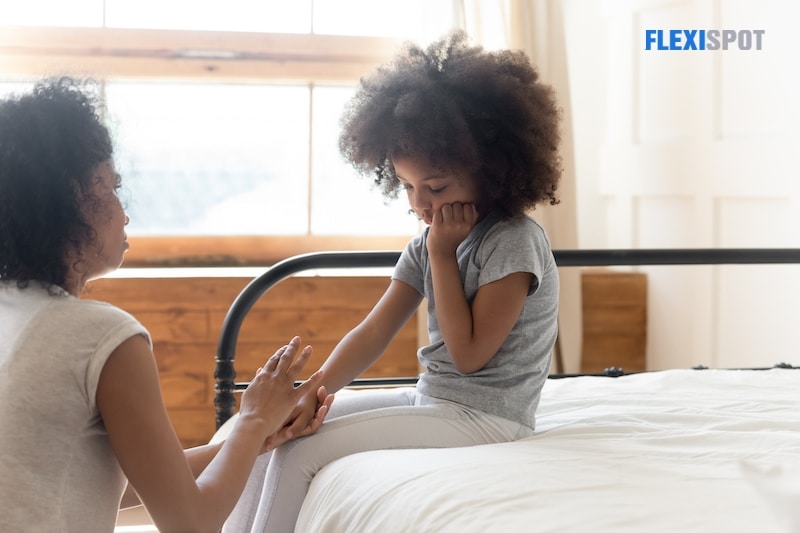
(522,224)
(517,233)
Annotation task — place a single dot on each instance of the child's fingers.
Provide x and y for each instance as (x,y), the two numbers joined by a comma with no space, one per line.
(310,383)
(324,409)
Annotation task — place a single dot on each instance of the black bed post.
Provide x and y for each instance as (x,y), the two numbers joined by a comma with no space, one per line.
(224,400)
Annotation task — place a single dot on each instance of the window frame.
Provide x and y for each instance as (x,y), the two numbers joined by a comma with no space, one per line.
(206,56)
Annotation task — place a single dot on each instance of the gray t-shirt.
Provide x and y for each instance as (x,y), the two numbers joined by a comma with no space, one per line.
(58,471)
(510,384)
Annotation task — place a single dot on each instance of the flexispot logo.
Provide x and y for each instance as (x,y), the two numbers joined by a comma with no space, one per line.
(703,39)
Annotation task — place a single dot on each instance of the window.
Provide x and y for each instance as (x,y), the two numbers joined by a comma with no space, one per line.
(233,158)
(226,121)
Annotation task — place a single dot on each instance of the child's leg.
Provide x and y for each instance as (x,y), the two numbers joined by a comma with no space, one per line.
(347,402)
(431,425)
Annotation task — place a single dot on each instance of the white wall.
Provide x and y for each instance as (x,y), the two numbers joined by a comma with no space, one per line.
(683,149)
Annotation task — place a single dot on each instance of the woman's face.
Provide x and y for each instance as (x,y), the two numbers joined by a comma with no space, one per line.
(429,188)
(104,212)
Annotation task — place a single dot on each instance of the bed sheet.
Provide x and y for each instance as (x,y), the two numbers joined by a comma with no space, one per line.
(674,450)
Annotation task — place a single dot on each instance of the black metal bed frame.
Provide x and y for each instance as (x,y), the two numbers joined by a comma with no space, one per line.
(225,374)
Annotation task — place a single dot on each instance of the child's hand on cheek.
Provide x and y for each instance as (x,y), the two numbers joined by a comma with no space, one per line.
(450,226)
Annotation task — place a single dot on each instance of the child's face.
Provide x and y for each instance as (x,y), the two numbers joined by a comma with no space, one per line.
(429,188)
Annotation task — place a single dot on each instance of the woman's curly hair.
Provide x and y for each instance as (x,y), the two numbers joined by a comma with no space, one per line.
(51,140)
(461,108)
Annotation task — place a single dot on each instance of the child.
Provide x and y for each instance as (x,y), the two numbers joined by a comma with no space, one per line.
(472,138)
(80,404)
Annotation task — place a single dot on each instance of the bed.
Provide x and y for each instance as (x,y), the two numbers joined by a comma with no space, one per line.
(697,449)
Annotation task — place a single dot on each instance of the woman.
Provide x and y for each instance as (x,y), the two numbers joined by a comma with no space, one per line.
(80,402)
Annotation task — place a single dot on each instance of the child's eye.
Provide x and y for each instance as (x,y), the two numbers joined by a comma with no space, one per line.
(436,191)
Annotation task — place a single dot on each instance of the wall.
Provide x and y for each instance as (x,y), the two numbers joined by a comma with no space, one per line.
(692,149)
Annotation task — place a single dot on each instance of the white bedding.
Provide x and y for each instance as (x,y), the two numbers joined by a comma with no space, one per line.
(677,450)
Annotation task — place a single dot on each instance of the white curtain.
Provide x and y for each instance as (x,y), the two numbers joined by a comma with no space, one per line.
(537,28)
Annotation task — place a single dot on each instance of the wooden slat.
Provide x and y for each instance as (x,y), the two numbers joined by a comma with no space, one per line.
(186,389)
(218,293)
(136,294)
(194,425)
(310,324)
(180,324)
(626,352)
(608,288)
(310,292)
(631,320)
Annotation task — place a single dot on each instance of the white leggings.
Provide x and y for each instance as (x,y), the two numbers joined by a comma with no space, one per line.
(358,421)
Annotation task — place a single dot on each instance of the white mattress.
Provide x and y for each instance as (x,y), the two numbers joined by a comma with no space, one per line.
(677,450)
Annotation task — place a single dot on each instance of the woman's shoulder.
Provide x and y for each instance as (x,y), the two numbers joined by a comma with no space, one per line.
(102,309)
(104,319)
(86,311)
(40,297)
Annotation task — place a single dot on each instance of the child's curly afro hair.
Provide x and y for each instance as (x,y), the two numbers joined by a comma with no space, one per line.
(463,109)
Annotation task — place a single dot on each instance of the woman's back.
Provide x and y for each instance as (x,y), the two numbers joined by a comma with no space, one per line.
(60,473)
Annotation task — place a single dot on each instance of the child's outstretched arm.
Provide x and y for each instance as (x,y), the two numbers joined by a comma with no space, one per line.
(472,334)
(361,347)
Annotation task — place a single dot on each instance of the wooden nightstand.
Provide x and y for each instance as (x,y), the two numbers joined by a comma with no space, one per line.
(614,320)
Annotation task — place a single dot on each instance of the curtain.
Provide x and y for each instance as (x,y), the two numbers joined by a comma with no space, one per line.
(537,28)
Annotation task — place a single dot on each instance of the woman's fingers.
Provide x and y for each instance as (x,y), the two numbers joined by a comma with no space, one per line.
(272,362)
(300,362)
(283,357)
(284,363)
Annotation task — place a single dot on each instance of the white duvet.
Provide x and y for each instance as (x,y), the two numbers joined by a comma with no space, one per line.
(677,451)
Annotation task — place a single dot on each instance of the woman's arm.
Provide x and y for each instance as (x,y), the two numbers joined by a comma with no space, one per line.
(198,457)
(148,450)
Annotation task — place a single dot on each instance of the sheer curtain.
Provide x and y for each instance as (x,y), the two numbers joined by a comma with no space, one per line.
(537,28)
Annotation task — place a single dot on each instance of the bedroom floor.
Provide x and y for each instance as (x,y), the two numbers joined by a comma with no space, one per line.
(135,520)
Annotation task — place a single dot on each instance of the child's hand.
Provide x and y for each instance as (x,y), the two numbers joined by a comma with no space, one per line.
(307,417)
(450,226)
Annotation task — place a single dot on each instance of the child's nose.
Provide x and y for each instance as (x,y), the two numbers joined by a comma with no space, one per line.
(420,200)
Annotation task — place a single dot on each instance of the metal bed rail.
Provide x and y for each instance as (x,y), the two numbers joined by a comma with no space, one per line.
(225,374)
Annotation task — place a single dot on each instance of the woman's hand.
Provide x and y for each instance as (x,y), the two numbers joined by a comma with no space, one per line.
(271,395)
